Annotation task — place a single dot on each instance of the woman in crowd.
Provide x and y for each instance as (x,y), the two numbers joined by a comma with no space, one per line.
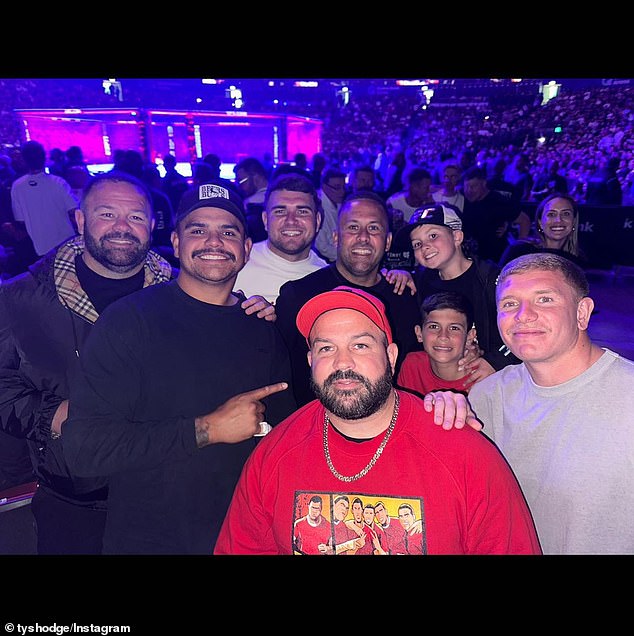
(557,226)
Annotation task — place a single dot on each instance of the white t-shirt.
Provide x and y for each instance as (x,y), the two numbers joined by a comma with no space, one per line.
(265,271)
(456,199)
(398,202)
(43,202)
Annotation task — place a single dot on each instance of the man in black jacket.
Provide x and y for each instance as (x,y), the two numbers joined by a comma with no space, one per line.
(46,315)
(174,384)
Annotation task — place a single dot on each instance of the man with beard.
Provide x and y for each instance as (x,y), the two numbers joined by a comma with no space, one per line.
(291,217)
(362,437)
(46,315)
(173,386)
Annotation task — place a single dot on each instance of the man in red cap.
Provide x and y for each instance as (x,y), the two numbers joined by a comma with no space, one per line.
(364,439)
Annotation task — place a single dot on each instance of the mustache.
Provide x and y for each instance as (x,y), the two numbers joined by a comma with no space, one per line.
(127,236)
(343,375)
(222,252)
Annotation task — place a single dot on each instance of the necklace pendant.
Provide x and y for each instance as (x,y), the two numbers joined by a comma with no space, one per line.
(375,457)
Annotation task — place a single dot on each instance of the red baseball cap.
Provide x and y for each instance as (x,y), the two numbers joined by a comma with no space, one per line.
(343,297)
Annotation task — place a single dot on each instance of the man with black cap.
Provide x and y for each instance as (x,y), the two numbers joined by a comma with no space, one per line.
(176,382)
(436,236)
(363,438)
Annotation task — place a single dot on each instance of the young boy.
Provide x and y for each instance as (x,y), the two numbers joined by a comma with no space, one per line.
(447,322)
(437,240)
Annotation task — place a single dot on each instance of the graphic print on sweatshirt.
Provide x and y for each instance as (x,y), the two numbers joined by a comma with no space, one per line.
(357,523)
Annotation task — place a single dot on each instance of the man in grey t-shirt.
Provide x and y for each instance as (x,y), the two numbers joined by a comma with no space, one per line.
(563,418)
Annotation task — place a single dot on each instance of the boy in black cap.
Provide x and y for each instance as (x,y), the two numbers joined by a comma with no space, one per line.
(176,381)
(435,233)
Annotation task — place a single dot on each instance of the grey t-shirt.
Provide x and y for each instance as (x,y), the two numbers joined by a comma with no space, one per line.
(571,447)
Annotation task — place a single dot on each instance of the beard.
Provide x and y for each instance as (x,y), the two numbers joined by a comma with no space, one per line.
(355,404)
(119,260)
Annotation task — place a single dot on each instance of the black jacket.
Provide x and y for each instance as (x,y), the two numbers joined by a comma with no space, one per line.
(45,318)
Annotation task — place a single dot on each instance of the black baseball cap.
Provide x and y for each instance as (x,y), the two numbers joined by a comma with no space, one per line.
(434,214)
(211,195)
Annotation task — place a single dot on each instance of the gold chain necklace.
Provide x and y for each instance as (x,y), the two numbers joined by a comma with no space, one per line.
(376,456)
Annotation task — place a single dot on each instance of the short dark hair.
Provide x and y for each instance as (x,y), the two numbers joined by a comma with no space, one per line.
(448,300)
(418,174)
(475,172)
(34,155)
(293,182)
(114,176)
(332,173)
(251,165)
(364,194)
(363,168)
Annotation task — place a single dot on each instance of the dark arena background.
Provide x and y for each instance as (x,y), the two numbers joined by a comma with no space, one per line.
(578,122)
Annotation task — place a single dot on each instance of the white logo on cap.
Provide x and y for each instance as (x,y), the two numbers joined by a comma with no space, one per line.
(212,191)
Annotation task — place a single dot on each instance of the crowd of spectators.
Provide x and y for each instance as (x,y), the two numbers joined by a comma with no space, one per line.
(583,132)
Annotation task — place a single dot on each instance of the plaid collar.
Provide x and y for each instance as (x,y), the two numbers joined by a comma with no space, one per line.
(70,292)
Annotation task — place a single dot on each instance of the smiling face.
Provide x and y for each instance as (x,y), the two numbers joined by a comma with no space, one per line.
(116,223)
(291,221)
(212,248)
(435,246)
(406,517)
(540,316)
(556,221)
(363,237)
(443,334)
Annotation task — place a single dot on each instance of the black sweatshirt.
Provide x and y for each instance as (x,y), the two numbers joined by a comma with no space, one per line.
(154,361)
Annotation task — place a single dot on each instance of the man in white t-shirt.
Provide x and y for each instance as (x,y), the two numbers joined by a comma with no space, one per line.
(43,202)
(416,196)
(291,217)
(449,192)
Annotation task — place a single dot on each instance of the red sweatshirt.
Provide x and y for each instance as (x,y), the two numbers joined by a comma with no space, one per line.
(452,492)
